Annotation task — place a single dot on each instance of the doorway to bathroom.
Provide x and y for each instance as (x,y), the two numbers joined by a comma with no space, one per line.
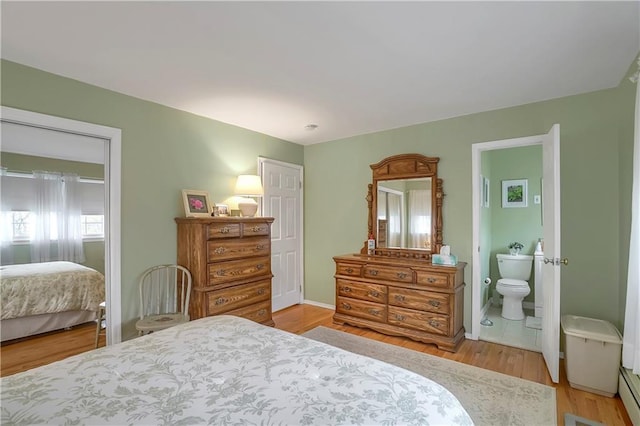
(516,202)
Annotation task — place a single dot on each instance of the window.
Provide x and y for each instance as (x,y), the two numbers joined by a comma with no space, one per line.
(21,223)
(22,226)
(92,226)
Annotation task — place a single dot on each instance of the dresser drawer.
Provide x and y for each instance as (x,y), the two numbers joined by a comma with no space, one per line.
(221,301)
(223,230)
(233,270)
(255,229)
(227,249)
(423,321)
(419,299)
(260,312)
(351,269)
(432,279)
(363,291)
(361,308)
(386,273)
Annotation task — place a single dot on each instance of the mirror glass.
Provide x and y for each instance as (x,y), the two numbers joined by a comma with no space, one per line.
(404,213)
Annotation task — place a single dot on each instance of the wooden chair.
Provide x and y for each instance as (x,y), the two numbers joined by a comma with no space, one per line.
(164,298)
(101,320)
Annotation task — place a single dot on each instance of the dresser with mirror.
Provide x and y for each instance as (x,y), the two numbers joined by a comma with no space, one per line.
(394,288)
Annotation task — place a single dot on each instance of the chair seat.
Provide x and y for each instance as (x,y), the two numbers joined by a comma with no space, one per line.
(160,322)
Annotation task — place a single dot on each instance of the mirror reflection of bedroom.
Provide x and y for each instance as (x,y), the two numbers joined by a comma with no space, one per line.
(52,239)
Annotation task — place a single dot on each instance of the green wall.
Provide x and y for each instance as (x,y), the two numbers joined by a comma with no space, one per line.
(596,140)
(163,151)
(508,225)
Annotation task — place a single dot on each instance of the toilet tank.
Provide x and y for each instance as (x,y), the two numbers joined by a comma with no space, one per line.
(517,267)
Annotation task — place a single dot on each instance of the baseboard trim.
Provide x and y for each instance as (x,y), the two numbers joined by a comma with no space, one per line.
(319,304)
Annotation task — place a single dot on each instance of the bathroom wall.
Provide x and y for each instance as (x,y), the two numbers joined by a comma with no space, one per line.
(522,224)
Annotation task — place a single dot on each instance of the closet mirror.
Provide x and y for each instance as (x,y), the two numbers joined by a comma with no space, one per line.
(405,206)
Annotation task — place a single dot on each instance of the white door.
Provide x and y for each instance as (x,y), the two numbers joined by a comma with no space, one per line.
(551,269)
(283,201)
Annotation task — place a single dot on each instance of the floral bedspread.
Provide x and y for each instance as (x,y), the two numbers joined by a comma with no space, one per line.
(48,288)
(225,370)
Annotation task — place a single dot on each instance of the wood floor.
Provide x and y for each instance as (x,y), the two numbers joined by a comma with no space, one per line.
(29,353)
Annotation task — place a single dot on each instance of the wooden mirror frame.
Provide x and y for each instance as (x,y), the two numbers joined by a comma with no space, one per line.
(407,166)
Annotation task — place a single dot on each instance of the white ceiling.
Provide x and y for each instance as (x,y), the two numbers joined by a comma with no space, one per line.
(349,67)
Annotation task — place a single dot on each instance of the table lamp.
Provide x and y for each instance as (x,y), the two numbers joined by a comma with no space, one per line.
(248,186)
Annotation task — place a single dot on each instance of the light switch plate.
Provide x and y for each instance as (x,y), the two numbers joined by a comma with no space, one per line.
(536,199)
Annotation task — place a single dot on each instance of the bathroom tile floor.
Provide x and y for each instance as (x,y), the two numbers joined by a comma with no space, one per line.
(511,333)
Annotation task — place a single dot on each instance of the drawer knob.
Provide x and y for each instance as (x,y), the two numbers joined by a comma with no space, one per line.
(400,317)
(431,280)
(374,293)
(349,270)
(399,297)
(220,301)
(261,312)
(261,291)
(221,273)
(373,272)
(434,323)
(220,250)
(402,275)
(346,289)
(434,303)
(260,246)
(346,306)
(225,230)
(260,266)
(374,312)
(256,229)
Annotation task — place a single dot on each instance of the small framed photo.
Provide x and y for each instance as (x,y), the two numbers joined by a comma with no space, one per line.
(514,193)
(221,210)
(196,203)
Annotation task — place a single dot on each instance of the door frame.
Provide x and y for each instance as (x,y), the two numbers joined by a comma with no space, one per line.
(261,162)
(112,185)
(476,280)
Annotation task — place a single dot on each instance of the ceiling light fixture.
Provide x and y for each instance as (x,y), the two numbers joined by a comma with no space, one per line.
(311,127)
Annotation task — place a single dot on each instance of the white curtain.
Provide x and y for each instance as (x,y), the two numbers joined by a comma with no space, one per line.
(70,221)
(631,340)
(6,225)
(57,218)
(419,218)
(394,204)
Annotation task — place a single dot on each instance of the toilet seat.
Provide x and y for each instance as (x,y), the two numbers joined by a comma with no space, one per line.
(509,282)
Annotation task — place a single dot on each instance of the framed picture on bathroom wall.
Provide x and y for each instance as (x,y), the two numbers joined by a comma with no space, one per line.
(485,193)
(514,193)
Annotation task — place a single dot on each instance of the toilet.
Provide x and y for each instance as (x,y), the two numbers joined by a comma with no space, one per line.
(515,271)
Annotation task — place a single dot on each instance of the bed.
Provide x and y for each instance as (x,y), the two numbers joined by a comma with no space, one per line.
(41,297)
(225,370)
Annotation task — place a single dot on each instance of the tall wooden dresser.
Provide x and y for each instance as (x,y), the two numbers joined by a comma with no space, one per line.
(402,297)
(230,261)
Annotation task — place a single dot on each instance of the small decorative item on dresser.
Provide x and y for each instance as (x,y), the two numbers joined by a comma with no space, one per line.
(196,203)
(220,210)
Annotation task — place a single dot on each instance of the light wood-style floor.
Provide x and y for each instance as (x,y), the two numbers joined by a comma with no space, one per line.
(29,353)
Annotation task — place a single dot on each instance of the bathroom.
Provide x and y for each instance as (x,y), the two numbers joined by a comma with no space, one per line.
(511,212)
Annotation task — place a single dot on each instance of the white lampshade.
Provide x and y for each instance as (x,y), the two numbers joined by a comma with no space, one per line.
(248,186)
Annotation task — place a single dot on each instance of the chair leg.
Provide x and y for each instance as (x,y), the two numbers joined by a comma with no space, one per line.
(102,314)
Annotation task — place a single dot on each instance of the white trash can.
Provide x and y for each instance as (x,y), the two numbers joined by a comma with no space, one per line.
(593,350)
